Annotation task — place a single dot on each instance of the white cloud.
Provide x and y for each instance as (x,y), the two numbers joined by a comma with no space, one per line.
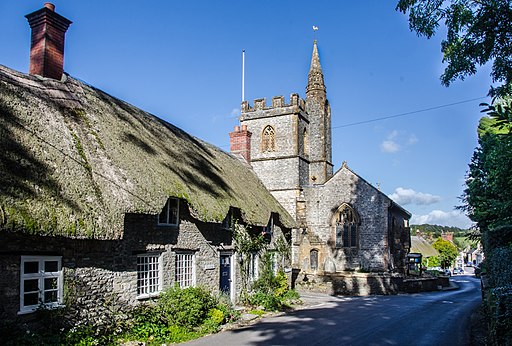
(389,146)
(452,218)
(409,196)
(396,141)
(412,140)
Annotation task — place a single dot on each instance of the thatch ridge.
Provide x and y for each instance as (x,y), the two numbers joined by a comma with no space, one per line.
(77,159)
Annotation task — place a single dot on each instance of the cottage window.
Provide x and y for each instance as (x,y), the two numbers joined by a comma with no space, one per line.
(41,282)
(313,259)
(346,227)
(185,269)
(170,213)
(268,139)
(254,266)
(149,275)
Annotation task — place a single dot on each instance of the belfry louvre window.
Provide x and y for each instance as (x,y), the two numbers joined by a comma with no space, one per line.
(169,216)
(268,139)
(149,275)
(185,273)
(346,227)
(41,282)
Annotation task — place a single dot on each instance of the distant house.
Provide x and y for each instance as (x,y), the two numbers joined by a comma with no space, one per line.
(102,202)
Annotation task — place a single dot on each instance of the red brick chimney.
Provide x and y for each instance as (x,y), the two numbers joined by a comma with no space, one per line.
(47,43)
(240,142)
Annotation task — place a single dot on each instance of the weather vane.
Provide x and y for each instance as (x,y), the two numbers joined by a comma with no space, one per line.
(315,29)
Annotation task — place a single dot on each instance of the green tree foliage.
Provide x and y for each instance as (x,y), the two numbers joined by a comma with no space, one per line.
(488,193)
(477,32)
(447,252)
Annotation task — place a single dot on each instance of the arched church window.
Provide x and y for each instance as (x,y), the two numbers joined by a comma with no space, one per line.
(313,259)
(305,139)
(346,227)
(268,139)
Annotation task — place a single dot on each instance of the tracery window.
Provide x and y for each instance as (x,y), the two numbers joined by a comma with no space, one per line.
(346,227)
(268,139)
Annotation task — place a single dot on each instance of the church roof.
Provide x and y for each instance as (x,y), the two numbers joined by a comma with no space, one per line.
(74,160)
(393,204)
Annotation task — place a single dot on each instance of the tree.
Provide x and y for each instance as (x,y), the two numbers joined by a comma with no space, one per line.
(478,31)
(447,252)
(488,194)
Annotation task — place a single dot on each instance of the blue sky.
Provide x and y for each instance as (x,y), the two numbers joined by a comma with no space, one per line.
(181,60)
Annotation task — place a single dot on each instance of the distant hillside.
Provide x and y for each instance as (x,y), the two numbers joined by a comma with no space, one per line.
(436,230)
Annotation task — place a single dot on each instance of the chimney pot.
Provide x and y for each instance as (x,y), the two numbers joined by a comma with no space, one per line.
(244,127)
(237,128)
(50,6)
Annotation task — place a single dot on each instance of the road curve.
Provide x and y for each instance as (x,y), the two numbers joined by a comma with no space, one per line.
(432,318)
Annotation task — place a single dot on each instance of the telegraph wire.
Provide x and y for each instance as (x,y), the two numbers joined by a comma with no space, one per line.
(407,113)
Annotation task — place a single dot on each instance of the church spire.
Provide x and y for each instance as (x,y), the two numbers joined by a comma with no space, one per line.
(315,75)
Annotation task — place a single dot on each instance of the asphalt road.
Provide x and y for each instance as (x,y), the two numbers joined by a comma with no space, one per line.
(433,318)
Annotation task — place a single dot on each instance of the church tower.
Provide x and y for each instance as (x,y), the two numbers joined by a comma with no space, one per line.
(288,144)
(319,111)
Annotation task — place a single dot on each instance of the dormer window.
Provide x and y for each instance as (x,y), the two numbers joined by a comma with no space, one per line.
(227,223)
(268,230)
(170,213)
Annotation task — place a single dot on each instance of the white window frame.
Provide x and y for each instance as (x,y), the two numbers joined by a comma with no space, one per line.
(254,263)
(41,275)
(172,204)
(185,269)
(149,275)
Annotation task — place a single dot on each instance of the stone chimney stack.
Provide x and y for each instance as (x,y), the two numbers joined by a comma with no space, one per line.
(47,42)
(240,142)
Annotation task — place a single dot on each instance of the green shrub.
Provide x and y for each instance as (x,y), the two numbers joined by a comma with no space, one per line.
(186,307)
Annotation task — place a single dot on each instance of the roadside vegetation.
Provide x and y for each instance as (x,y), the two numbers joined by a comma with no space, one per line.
(479,33)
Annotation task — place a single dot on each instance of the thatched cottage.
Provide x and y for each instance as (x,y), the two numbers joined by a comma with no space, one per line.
(101,201)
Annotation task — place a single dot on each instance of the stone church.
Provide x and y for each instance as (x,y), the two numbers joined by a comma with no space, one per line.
(345,225)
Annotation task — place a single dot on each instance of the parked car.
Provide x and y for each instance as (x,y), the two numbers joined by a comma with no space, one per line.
(458,270)
(447,272)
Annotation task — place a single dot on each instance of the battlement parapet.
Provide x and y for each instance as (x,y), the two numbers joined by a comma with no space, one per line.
(277,107)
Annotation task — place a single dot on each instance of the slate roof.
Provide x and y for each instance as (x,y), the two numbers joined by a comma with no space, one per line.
(74,160)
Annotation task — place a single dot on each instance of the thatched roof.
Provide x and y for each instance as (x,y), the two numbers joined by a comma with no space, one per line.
(74,160)
(421,245)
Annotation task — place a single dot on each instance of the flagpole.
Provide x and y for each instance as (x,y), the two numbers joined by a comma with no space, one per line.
(243,75)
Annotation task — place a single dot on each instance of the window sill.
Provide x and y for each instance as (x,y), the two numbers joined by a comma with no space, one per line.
(149,296)
(45,308)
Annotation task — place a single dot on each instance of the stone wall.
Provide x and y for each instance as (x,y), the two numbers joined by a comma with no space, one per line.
(351,284)
(100,276)
(371,207)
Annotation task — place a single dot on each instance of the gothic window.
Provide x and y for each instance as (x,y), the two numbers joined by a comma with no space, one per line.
(268,139)
(346,227)
(305,138)
(313,259)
